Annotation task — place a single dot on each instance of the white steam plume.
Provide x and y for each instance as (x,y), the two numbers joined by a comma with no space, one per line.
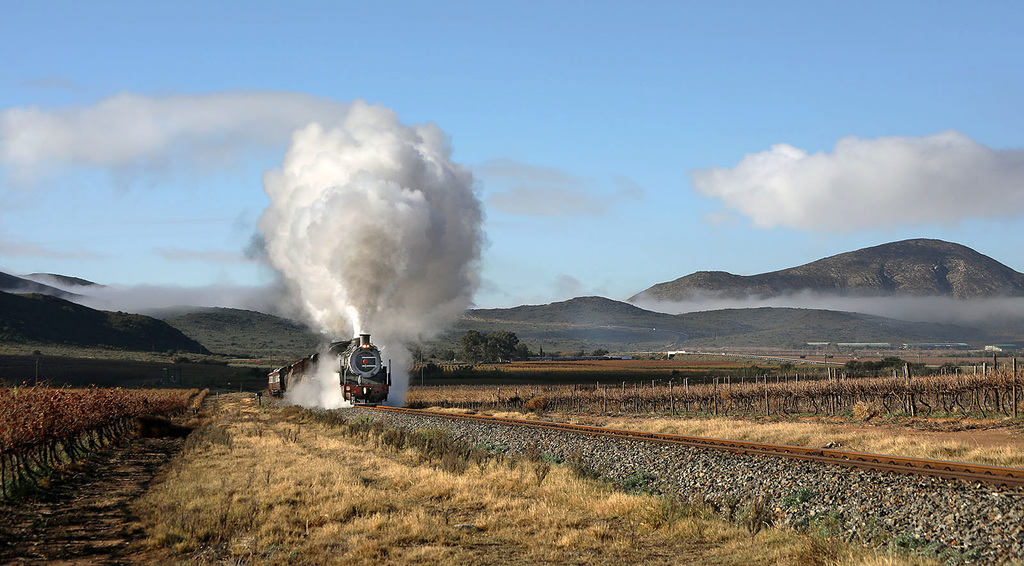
(321,389)
(134,134)
(375,228)
(883,182)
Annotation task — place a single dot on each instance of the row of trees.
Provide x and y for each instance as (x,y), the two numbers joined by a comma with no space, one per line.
(503,346)
(498,346)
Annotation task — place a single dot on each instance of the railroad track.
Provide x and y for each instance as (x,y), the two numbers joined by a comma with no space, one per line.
(997,475)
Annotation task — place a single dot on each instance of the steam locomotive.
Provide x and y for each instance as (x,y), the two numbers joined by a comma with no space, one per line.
(364,378)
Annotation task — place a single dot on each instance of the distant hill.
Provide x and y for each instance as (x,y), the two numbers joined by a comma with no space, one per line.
(245,333)
(63,281)
(14,284)
(591,322)
(38,318)
(918,267)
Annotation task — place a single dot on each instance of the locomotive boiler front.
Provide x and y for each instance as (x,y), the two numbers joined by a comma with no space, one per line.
(365,380)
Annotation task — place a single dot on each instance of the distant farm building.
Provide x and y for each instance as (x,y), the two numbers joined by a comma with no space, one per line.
(936,346)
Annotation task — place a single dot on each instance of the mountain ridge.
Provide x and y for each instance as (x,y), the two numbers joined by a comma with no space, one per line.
(589,322)
(915,267)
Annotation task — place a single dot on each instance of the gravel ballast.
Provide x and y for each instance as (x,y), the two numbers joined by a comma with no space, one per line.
(951,520)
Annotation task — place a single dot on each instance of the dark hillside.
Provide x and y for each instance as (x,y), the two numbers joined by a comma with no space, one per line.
(246,334)
(907,268)
(46,319)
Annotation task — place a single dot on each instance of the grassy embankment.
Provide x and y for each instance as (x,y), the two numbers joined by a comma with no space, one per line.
(277,485)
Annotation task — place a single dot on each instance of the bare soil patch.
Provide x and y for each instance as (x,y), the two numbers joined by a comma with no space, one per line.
(82,516)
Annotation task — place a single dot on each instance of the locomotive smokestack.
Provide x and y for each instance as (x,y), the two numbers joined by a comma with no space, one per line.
(364,340)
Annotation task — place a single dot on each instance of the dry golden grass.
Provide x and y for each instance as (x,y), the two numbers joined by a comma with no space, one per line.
(271,485)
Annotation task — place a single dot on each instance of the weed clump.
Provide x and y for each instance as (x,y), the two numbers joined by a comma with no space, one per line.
(797,497)
(580,467)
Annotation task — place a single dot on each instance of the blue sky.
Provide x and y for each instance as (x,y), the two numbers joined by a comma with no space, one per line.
(591,129)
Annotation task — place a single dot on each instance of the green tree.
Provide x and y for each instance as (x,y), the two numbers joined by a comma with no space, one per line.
(500,345)
(522,351)
(473,346)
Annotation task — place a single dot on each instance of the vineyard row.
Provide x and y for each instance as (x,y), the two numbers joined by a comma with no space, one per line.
(42,427)
(993,394)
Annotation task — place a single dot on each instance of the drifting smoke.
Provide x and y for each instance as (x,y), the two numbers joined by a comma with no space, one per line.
(884,182)
(375,229)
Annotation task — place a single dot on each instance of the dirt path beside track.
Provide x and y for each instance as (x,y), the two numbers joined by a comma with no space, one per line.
(83,517)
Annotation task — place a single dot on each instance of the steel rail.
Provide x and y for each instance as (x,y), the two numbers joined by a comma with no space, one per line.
(997,475)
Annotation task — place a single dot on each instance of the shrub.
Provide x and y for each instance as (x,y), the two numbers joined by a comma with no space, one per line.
(864,411)
(536,404)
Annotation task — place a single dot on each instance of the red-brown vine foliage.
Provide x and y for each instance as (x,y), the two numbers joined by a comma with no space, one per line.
(41,426)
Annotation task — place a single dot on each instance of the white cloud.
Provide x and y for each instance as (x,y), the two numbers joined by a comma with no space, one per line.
(28,249)
(719,218)
(567,287)
(53,82)
(536,190)
(212,256)
(511,169)
(879,183)
(548,201)
(134,134)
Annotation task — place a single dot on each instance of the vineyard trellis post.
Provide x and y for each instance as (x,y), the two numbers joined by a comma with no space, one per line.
(686,394)
(1014,387)
(672,398)
(716,396)
(767,408)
